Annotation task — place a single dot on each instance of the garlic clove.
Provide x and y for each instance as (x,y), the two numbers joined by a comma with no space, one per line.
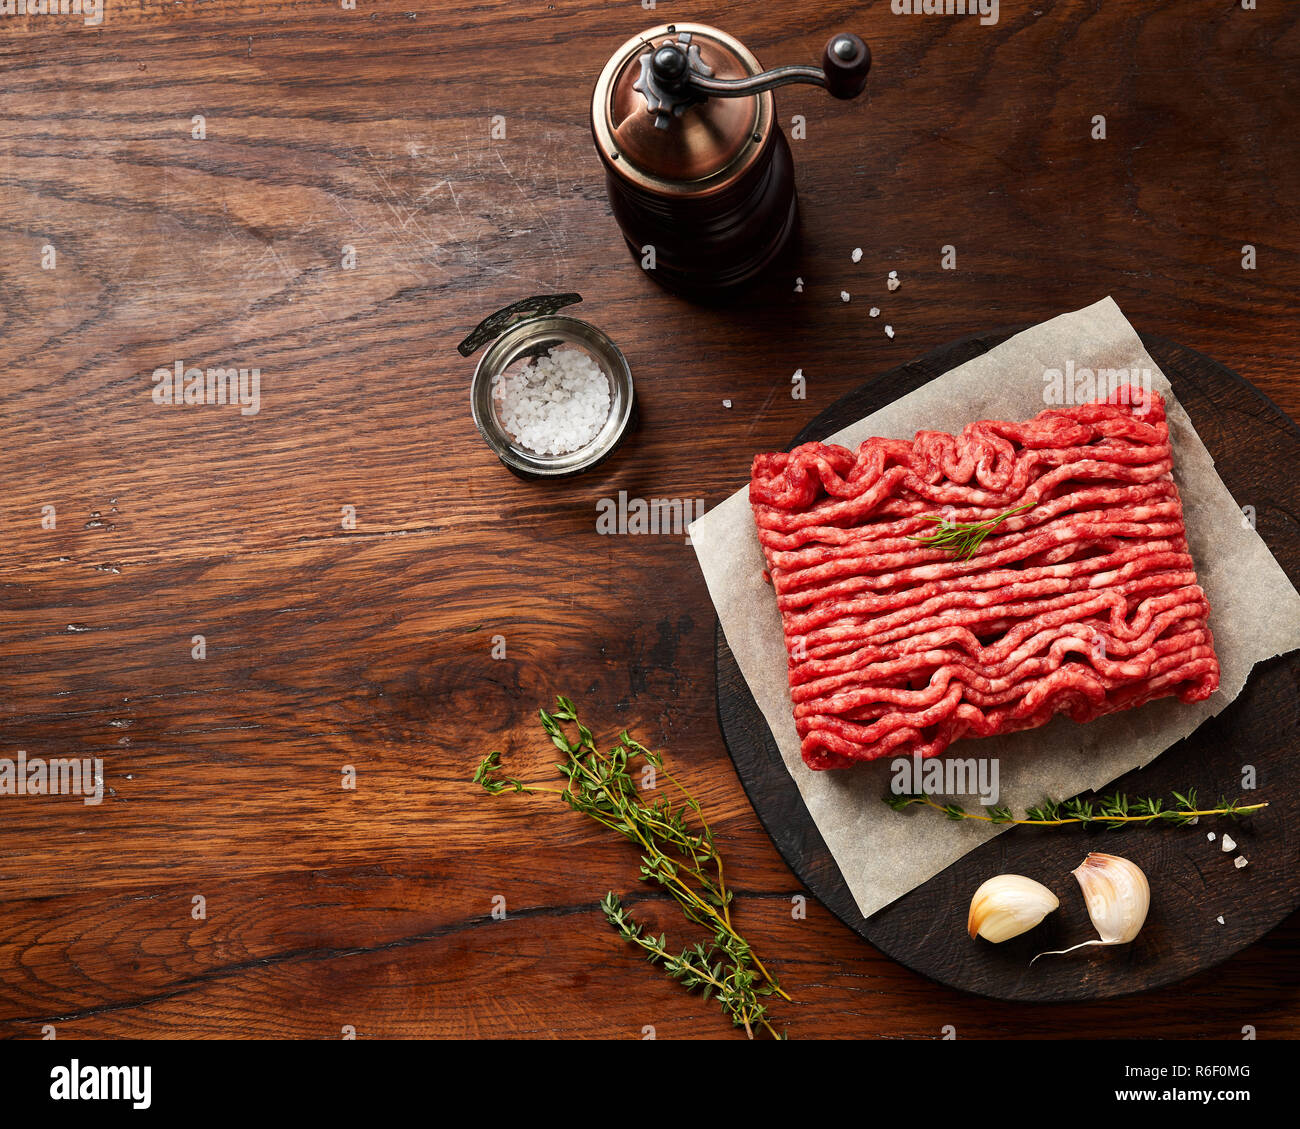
(1117,896)
(1006,906)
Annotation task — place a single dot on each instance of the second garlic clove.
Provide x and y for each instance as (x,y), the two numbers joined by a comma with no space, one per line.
(1117,896)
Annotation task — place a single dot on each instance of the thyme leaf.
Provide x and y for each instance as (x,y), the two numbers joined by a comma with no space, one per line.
(963,538)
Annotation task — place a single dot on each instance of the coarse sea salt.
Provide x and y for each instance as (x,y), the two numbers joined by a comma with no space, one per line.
(553,404)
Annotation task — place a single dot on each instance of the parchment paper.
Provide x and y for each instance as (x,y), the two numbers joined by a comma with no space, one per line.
(1255,614)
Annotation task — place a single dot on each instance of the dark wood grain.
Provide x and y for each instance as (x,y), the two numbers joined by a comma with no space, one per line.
(1253,444)
(371,646)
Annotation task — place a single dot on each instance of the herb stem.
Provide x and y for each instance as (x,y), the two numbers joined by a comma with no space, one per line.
(682,859)
(964,538)
(1112,812)
(653,946)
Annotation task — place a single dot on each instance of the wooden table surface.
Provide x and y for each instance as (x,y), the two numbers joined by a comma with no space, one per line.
(229,885)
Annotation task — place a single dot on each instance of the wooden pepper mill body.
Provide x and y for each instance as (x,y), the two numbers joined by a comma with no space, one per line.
(707,248)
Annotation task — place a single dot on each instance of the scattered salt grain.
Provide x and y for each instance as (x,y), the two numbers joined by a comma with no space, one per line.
(874,311)
(857,254)
(1219,919)
(1228,843)
(553,404)
(889,331)
(892,281)
(726,403)
(844,295)
(1239,861)
(1211,836)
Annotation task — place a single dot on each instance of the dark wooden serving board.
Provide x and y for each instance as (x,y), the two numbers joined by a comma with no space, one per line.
(1257,451)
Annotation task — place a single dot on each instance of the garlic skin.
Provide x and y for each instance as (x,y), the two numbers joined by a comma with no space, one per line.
(1006,906)
(1117,896)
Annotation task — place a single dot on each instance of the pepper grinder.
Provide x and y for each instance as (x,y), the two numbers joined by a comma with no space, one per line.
(700,176)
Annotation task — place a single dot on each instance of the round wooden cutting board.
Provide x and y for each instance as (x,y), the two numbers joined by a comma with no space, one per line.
(1257,452)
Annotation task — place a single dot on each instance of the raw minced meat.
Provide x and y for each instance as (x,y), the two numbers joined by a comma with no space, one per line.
(1086,602)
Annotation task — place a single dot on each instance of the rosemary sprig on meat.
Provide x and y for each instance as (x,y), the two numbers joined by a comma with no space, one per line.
(962,538)
(1116,811)
(678,853)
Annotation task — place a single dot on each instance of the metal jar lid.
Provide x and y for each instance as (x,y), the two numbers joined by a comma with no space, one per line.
(532,328)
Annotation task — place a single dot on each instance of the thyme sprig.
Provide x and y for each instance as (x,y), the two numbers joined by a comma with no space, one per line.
(962,538)
(1115,812)
(678,853)
(734,979)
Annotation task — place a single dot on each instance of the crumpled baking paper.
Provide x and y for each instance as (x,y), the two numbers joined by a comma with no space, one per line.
(1255,614)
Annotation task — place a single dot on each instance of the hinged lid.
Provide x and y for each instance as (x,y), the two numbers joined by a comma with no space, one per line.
(492,326)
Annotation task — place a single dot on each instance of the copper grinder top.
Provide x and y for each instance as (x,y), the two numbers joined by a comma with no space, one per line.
(691,149)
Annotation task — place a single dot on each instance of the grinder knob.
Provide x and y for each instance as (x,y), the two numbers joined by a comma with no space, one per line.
(845,63)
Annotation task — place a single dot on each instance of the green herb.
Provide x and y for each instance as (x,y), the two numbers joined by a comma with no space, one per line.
(678,853)
(1116,811)
(963,539)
